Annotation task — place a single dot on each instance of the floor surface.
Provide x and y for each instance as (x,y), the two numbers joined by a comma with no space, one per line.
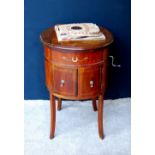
(76,128)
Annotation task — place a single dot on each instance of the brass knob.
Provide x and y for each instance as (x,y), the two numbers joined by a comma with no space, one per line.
(62,83)
(91,83)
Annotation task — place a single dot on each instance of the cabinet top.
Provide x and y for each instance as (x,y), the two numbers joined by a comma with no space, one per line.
(49,38)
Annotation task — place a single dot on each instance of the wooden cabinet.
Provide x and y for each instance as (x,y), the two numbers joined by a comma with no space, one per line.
(75,75)
(76,70)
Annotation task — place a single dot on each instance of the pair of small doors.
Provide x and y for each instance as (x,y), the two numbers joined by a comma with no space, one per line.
(81,82)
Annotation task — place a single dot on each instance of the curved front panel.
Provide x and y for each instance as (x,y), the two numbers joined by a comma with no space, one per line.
(76,75)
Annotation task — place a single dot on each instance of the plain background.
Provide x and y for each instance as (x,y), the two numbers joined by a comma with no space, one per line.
(112,14)
(12,77)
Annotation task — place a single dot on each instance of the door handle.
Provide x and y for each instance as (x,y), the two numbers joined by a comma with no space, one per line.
(62,82)
(91,83)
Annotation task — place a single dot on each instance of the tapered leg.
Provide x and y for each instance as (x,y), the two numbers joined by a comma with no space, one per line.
(59,104)
(100,117)
(94,104)
(53,115)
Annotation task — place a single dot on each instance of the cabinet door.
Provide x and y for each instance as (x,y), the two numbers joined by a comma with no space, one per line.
(65,81)
(89,81)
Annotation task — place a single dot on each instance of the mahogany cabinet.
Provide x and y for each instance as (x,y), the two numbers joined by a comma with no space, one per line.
(76,70)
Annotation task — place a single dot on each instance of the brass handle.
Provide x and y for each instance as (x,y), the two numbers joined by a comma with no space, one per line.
(75,59)
(91,83)
(62,83)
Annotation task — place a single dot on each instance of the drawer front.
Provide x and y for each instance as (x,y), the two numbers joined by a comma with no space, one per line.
(65,81)
(89,81)
(79,58)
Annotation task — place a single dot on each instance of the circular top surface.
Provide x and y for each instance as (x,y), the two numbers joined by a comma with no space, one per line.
(49,38)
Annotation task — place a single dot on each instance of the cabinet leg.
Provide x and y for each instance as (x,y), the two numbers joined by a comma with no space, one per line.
(94,104)
(59,104)
(53,115)
(100,117)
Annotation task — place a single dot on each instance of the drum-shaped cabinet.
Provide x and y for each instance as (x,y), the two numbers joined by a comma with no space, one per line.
(76,70)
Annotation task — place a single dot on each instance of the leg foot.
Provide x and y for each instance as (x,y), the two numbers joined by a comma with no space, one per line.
(100,117)
(53,116)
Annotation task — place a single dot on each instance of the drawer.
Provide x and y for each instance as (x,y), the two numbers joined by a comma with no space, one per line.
(65,81)
(89,81)
(78,58)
